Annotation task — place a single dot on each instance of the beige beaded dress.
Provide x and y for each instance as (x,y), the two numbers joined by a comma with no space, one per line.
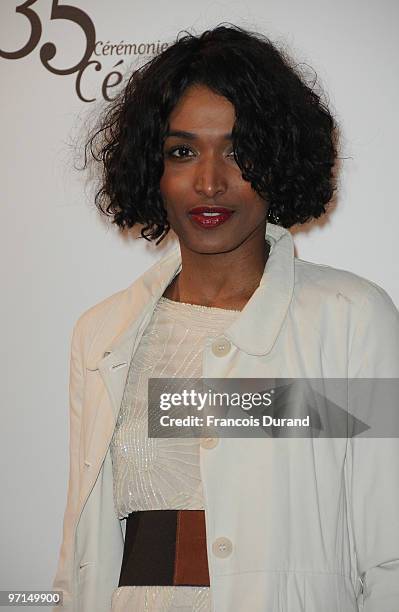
(162,473)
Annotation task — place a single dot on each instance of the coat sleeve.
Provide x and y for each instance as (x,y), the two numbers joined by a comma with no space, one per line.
(373,463)
(64,575)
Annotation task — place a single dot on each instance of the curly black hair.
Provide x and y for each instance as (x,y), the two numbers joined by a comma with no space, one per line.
(284,136)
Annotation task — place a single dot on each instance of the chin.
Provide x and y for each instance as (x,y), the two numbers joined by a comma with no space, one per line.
(208,247)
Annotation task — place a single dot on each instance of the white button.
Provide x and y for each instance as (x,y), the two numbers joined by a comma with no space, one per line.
(221,347)
(209,442)
(222,548)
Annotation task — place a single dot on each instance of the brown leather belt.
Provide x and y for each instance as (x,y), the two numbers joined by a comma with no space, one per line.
(165,547)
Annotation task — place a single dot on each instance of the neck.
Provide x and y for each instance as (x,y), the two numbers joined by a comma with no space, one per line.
(222,280)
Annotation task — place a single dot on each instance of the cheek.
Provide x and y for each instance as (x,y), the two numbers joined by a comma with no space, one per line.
(255,203)
(164,186)
(174,183)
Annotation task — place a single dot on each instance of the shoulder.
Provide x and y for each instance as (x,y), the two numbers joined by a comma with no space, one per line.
(93,316)
(326,285)
(109,318)
(355,313)
(92,320)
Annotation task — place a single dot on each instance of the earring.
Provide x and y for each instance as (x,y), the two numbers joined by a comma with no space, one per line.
(273,217)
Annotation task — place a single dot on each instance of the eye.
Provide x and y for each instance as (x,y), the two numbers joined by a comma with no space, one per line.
(172,152)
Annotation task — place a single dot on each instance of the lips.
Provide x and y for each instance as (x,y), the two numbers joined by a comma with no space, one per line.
(210,217)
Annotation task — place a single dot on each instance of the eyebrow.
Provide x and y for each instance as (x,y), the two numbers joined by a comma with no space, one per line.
(192,136)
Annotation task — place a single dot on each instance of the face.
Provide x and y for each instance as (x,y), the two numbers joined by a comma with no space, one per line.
(209,205)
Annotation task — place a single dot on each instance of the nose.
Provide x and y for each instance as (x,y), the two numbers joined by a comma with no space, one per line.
(210,178)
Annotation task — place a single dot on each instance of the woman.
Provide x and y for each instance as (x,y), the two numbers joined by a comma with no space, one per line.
(220,139)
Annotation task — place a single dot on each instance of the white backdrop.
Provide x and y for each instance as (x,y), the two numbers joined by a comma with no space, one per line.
(59,258)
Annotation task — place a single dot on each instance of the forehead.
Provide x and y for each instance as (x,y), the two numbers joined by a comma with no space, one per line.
(200,108)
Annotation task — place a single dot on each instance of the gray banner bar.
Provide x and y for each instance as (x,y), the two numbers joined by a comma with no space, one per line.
(273,407)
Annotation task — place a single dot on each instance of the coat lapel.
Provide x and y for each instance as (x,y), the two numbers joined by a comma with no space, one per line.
(113,347)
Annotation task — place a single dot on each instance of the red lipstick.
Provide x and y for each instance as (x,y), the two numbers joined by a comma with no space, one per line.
(209,217)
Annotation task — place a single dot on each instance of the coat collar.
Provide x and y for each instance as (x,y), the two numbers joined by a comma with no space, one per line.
(254,331)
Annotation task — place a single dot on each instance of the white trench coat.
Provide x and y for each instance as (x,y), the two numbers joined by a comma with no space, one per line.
(309,524)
